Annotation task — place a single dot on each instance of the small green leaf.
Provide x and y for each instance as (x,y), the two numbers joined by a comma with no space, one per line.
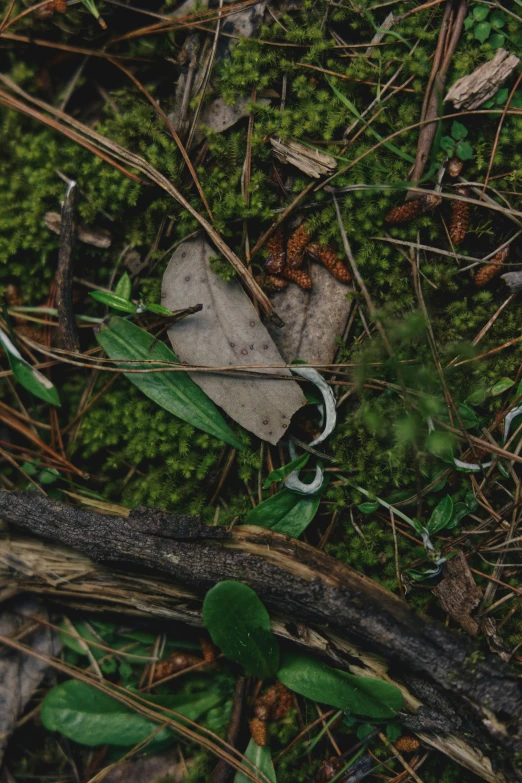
(368,508)
(361,695)
(240,626)
(286,512)
(393,732)
(156,308)
(460,510)
(477,397)
(469,21)
(114,301)
(496,41)
(497,20)
(174,391)
(482,31)
(34,381)
(501,386)
(447,144)
(48,476)
(261,758)
(458,131)
(464,150)
(280,473)
(124,287)
(501,96)
(441,515)
(480,13)
(364,730)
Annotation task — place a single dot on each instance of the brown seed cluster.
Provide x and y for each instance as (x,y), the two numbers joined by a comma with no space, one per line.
(175,663)
(272,705)
(259,732)
(208,648)
(50,8)
(488,271)
(282,266)
(459,222)
(407,744)
(412,209)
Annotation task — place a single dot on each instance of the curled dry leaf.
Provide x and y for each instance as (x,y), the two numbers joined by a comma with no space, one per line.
(228,332)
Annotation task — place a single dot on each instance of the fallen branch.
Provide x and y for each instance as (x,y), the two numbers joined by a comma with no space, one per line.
(319,603)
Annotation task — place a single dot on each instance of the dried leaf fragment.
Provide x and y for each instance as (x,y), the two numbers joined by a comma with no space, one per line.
(459,222)
(310,161)
(488,272)
(458,594)
(473,90)
(98,237)
(228,333)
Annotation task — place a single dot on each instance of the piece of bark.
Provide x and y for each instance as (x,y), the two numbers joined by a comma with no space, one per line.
(228,332)
(513,280)
(458,594)
(311,162)
(71,579)
(476,88)
(313,319)
(304,584)
(98,237)
(20,675)
(64,273)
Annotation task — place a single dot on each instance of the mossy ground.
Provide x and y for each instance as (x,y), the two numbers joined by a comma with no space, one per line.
(137,453)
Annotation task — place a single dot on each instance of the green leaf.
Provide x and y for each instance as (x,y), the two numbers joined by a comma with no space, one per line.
(480,12)
(156,308)
(74,644)
(281,473)
(364,730)
(393,732)
(464,150)
(368,508)
(458,131)
(477,397)
(501,96)
(447,144)
(501,386)
(114,301)
(496,41)
(441,515)
(124,287)
(286,512)
(175,392)
(261,758)
(469,21)
(482,31)
(48,476)
(240,626)
(362,695)
(497,20)
(33,380)
(89,716)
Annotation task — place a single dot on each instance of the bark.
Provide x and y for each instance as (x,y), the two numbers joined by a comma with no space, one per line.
(64,273)
(468,698)
(476,88)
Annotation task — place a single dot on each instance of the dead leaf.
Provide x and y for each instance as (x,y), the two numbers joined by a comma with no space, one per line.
(227,332)
(458,594)
(20,674)
(310,161)
(220,116)
(313,319)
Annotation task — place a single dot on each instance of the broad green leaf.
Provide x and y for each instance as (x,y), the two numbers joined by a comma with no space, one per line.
(312,678)
(89,716)
(477,397)
(114,301)
(441,515)
(368,508)
(469,22)
(458,131)
(33,380)
(447,144)
(464,150)
(124,287)
(496,41)
(501,386)
(280,473)
(497,20)
(286,512)
(261,758)
(480,12)
(174,391)
(482,31)
(156,308)
(240,626)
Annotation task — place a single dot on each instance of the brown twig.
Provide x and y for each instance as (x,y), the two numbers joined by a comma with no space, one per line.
(64,274)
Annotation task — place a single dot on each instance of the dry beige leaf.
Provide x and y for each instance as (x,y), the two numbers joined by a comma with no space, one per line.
(228,332)
(312,162)
(473,90)
(98,237)
(458,594)
(313,319)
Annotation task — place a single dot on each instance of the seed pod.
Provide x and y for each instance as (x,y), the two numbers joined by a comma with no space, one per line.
(208,649)
(259,732)
(407,744)
(296,247)
(298,276)
(283,704)
(175,663)
(454,166)
(488,271)
(412,209)
(275,260)
(459,222)
(329,258)
(272,282)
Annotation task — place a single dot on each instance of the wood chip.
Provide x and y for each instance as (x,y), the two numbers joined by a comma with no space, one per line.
(98,237)
(228,332)
(311,162)
(458,594)
(473,90)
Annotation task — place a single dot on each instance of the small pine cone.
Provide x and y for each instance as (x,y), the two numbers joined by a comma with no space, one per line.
(259,732)
(176,663)
(284,702)
(459,222)
(296,246)
(407,744)
(430,202)
(275,260)
(454,166)
(412,209)
(329,258)
(298,276)
(272,283)
(208,648)
(488,271)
